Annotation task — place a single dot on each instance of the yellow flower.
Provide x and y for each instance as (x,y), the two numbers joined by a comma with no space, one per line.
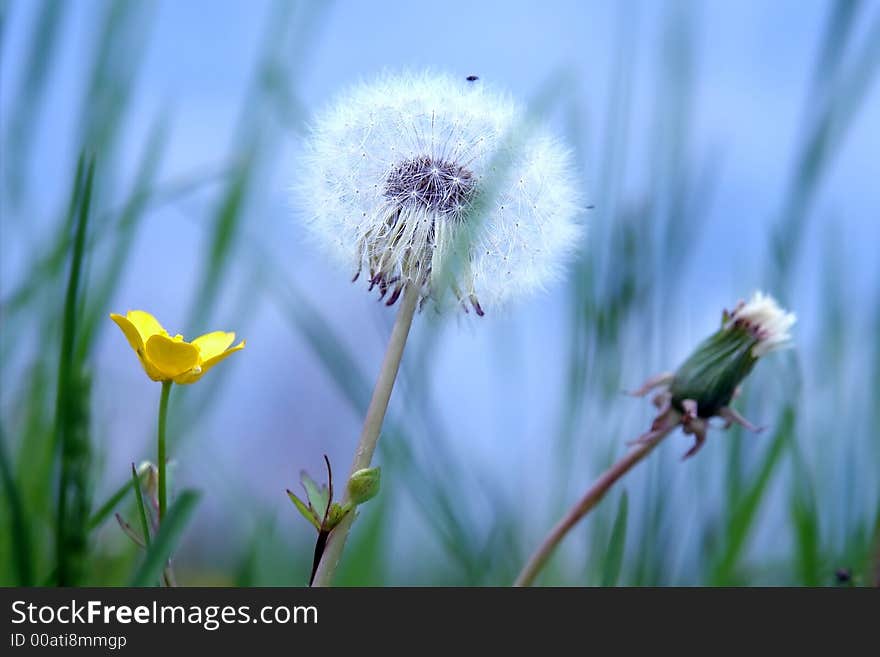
(173,359)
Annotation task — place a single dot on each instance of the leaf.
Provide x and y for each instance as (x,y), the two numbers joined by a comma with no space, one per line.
(166,540)
(318,497)
(306,512)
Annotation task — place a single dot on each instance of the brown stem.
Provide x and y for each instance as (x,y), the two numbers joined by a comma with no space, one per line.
(590,499)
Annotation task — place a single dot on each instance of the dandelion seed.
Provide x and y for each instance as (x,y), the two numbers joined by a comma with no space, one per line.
(392,174)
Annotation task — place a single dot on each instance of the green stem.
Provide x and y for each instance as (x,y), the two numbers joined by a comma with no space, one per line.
(372,427)
(163,417)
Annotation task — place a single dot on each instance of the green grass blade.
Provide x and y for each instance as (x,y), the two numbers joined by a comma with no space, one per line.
(745,511)
(130,217)
(838,30)
(119,51)
(166,540)
(71,426)
(19,532)
(806,524)
(254,559)
(223,232)
(307,321)
(142,511)
(104,511)
(804,516)
(616,545)
(823,140)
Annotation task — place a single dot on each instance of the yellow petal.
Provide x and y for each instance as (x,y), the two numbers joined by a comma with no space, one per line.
(134,339)
(196,374)
(213,344)
(170,357)
(145,323)
(130,331)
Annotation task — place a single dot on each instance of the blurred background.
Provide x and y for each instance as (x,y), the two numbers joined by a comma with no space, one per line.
(725,147)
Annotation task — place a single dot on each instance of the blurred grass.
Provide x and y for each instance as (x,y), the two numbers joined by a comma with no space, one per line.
(37,64)
(166,540)
(643,238)
(72,440)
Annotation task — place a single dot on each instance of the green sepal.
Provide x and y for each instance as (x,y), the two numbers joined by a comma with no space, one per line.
(335,515)
(711,375)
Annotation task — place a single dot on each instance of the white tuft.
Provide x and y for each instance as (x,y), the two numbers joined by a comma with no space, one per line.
(767,321)
(395,169)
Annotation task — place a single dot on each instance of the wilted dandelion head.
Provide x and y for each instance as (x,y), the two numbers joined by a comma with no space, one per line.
(764,320)
(411,179)
(706,383)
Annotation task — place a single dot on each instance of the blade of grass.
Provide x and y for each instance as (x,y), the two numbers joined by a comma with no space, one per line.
(129,531)
(132,213)
(104,511)
(616,545)
(838,29)
(120,46)
(166,539)
(745,512)
(824,138)
(253,561)
(19,532)
(805,519)
(222,239)
(142,511)
(71,406)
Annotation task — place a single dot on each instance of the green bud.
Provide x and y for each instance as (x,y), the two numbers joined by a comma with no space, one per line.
(711,375)
(364,485)
(335,515)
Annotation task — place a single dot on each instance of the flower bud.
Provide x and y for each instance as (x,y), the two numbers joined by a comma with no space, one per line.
(706,383)
(364,485)
(711,375)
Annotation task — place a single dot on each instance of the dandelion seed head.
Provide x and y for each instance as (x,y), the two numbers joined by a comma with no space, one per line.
(397,168)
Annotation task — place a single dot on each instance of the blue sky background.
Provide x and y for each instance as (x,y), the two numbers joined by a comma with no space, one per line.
(497,380)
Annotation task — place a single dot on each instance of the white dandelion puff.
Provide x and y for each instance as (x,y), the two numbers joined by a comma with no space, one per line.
(399,170)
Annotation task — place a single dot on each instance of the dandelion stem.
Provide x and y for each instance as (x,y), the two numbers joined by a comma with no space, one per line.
(163,417)
(372,426)
(589,500)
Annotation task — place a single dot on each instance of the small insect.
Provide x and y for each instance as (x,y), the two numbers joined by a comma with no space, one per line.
(472,78)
